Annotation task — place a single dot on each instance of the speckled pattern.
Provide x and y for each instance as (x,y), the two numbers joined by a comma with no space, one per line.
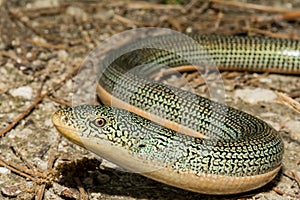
(139,137)
(40,46)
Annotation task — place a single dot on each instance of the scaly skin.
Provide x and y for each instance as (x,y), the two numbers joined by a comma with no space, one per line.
(213,148)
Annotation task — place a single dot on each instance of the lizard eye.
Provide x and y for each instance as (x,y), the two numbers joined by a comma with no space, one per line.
(100,122)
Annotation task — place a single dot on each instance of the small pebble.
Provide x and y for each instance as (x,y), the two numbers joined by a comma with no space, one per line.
(39,39)
(104,14)
(265,80)
(19,51)
(26,132)
(62,54)
(29,55)
(48,123)
(189,29)
(268,114)
(294,129)
(43,56)
(254,96)
(77,13)
(24,91)
(16,42)
(43,4)
(4,170)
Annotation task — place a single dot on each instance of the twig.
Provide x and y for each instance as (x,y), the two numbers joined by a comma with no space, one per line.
(40,192)
(23,115)
(52,155)
(14,169)
(14,14)
(256,79)
(37,101)
(42,179)
(174,23)
(132,23)
(218,21)
(294,95)
(250,6)
(33,173)
(20,167)
(288,16)
(13,56)
(39,12)
(231,75)
(286,100)
(192,3)
(47,45)
(297,177)
(283,16)
(124,20)
(271,34)
(281,192)
(18,153)
(147,6)
(40,90)
(83,194)
(293,175)
(60,101)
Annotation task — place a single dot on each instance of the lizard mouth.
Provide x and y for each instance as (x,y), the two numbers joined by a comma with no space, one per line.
(62,125)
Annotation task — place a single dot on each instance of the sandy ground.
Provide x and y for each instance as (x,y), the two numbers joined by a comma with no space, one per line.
(41,42)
